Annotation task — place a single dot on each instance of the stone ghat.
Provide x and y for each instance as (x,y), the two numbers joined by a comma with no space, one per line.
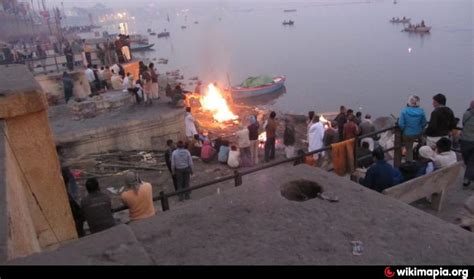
(97,105)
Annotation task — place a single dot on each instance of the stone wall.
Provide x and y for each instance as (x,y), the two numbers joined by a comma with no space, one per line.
(19,237)
(146,134)
(97,105)
(37,208)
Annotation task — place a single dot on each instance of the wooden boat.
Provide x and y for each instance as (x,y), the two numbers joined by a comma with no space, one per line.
(424,29)
(183,27)
(239,92)
(140,47)
(289,11)
(163,34)
(288,22)
(406,20)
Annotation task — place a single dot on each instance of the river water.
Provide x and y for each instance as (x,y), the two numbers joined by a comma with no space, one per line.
(337,53)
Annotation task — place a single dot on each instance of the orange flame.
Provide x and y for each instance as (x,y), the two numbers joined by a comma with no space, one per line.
(214,101)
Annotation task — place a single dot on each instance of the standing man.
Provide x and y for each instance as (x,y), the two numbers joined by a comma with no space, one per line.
(467,144)
(243,140)
(351,130)
(182,168)
(441,121)
(90,78)
(270,129)
(68,85)
(154,80)
(289,139)
(341,120)
(69,57)
(168,153)
(189,123)
(253,137)
(315,138)
(412,120)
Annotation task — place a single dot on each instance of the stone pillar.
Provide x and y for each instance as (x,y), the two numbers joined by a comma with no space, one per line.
(35,212)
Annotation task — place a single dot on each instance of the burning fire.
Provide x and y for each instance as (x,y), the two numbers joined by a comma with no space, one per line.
(324,121)
(262,138)
(215,102)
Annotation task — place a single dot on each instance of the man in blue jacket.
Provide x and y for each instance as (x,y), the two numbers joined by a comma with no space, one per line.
(381,175)
(412,122)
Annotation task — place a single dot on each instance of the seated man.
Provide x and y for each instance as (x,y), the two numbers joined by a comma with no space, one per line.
(207,152)
(362,152)
(381,175)
(97,207)
(444,157)
(425,162)
(223,155)
(138,197)
(233,160)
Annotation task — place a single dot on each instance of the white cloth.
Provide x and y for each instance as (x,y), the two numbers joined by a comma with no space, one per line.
(115,68)
(289,151)
(125,84)
(89,75)
(243,139)
(444,159)
(370,141)
(233,160)
(189,124)
(315,136)
(431,141)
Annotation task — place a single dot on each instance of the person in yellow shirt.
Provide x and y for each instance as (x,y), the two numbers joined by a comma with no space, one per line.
(138,197)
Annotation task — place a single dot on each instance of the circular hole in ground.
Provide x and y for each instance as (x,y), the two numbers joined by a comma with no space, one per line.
(300,190)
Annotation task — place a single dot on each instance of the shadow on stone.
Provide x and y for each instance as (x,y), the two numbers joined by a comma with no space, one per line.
(300,190)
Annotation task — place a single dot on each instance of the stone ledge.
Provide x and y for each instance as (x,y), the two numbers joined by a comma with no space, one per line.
(116,246)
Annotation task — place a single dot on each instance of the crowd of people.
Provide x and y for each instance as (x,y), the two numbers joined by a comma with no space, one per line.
(110,51)
(427,145)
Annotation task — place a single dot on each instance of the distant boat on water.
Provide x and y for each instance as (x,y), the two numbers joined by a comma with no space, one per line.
(140,47)
(290,22)
(397,20)
(289,11)
(183,27)
(152,34)
(419,29)
(164,34)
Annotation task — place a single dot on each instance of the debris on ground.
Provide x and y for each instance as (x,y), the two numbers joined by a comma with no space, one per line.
(357,248)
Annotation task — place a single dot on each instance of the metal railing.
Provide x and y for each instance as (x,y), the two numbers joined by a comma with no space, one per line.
(54,63)
(238,176)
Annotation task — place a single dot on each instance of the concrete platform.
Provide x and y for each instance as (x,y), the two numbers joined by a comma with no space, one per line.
(116,246)
(254,224)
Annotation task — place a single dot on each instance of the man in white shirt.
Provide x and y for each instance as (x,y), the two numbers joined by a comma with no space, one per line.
(243,141)
(189,123)
(444,157)
(315,137)
(90,77)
